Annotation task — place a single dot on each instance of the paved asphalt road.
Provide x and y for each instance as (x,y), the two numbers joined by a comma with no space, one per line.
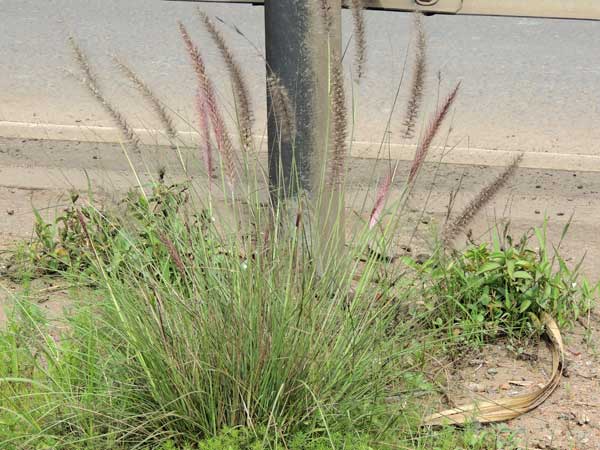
(527,84)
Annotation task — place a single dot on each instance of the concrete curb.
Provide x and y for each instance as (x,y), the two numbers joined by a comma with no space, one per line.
(366,150)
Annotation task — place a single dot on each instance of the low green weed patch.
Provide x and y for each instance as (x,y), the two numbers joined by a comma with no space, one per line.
(497,289)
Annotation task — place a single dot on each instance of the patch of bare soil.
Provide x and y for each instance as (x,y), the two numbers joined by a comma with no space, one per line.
(52,297)
(569,419)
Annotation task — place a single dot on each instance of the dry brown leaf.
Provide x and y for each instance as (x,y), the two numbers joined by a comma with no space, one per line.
(508,407)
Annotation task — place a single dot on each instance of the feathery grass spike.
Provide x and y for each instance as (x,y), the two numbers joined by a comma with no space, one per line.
(209,102)
(483,197)
(339,121)
(90,81)
(240,86)
(158,106)
(430,134)
(382,192)
(360,37)
(282,108)
(418,78)
(205,143)
(173,253)
(325,12)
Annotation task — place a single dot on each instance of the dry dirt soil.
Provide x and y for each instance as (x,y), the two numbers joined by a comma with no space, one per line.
(40,173)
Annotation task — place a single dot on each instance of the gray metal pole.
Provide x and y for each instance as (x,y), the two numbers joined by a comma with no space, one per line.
(298,56)
(302,39)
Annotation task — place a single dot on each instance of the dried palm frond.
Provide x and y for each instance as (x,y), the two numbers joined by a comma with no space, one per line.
(488,411)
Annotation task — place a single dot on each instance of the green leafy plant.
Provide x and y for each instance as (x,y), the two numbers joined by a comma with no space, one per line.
(64,246)
(503,288)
